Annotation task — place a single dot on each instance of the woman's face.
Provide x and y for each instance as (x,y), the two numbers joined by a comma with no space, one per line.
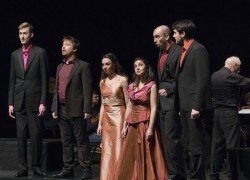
(139,67)
(107,66)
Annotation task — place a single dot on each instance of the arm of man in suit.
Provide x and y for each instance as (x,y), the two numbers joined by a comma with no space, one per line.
(44,80)
(202,74)
(12,82)
(87,90)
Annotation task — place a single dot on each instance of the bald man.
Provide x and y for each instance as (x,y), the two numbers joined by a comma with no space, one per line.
(226,129)
(169,53)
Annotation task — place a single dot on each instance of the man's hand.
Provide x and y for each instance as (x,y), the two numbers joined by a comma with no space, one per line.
(42,109)
(87,115)
(11,111)
(54,115)
(195,114)
(163,92)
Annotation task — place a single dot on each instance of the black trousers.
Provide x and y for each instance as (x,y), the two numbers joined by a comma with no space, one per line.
(226,135)
(170,127)
(193,144)
(28,121)
(74,128)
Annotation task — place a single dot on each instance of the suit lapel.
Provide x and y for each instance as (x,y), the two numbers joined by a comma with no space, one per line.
(30,57)
(20,59)
(188,51)
(168,59)
(158,66)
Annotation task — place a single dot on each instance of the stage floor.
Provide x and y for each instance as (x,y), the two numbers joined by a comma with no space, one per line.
(8,149)
(9,174)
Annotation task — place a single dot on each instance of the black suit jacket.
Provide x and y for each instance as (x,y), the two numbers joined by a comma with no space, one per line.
(225,86)
(30,86)
(167,78)
(78,95)
(194,85)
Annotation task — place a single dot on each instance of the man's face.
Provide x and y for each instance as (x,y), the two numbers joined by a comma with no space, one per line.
(95,99)
(178,37)
(236,68)
(25,36)
(67,48)
(160,39)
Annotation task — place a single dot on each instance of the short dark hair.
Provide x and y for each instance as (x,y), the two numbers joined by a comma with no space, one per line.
(187,26)
(76,42)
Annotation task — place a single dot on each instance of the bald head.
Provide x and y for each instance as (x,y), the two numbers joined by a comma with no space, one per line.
(163,29)
(162,37)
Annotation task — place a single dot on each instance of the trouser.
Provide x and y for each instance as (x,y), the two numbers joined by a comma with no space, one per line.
(28,121)
(171,131)
(193,144)
(226,135)
(74,128)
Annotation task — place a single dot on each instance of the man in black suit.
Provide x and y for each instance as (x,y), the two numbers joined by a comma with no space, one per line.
(27,96)
(226,125)
(169,111)
(194,92)
(72,102)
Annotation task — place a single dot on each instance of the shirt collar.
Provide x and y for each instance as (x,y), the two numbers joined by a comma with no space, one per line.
(187,44)
(69,62)
(27,50)
(166,51)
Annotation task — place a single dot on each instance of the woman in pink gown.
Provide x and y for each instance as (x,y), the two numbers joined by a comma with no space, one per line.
(141,157)
(113,86)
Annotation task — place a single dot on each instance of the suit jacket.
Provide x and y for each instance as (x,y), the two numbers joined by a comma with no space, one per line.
(167,78)
(194,85)
(225,86)
(78,95)
(30,86)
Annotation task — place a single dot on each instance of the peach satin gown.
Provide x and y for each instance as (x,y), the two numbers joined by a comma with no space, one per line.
(112,123)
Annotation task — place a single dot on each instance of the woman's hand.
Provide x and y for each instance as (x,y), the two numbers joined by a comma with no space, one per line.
(99,129)
(124,131)
(149,134)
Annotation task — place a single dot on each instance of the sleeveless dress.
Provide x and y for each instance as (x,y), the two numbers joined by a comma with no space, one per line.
(112,124)
(140,159)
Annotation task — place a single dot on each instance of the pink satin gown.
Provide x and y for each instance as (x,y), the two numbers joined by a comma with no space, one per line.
(140,159)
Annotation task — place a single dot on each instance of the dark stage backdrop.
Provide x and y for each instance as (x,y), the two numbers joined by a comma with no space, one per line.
(122,27)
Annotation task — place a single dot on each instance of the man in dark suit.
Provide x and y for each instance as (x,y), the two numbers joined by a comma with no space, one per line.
(194,92)
(226,125)
(27,96)
(72,102)
(169,111)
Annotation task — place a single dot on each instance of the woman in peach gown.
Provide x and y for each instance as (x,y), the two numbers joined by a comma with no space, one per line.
(141,157)
(113,86)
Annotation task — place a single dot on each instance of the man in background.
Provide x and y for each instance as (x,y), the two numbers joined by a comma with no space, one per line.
(94,119)
(226,125)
